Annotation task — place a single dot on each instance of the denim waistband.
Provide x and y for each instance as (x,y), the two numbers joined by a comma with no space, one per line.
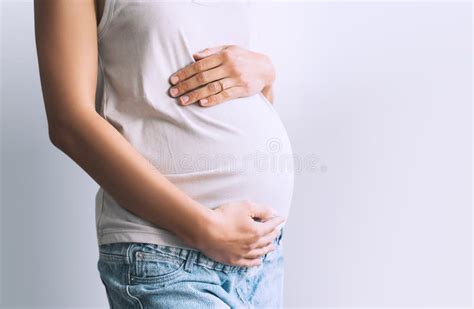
(125,251)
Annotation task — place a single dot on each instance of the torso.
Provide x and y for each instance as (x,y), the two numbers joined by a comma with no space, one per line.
(232,151)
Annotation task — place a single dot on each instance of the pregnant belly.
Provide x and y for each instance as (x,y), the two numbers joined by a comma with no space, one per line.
(237,150)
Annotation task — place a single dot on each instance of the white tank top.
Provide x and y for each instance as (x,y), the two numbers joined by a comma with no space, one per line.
(233,151)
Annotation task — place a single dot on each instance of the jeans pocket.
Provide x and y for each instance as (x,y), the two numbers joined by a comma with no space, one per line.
(150,264)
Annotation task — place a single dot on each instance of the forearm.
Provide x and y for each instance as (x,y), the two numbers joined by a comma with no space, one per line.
(236,233)
(126,175)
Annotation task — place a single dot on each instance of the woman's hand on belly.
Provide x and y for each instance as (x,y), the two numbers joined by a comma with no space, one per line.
(223,73)
(240,233)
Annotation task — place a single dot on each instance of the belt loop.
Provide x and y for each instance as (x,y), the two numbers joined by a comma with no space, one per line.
(192,255)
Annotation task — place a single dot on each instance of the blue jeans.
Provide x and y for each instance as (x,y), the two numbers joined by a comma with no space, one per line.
(141,275)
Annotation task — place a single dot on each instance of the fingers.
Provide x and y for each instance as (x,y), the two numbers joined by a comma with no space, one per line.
(249,262)
(267,238)
(246,240)
(209,89)
(258,252)
(200,93)
(223,84)
(268,226)
(224,95)
(196,81)
(253,256)
(261,211)
(194,68)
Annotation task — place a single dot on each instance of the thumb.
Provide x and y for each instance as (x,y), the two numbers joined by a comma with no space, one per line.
(207,52)
(262,212)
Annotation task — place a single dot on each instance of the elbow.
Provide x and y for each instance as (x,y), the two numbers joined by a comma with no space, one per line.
(55,136)
(67,132)
(59,135)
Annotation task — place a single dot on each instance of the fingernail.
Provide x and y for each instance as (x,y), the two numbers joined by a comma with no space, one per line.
(174,91)
(184,99)
(174,79)
(203,101)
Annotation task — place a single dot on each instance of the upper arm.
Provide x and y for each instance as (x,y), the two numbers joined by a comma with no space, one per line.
(66,42)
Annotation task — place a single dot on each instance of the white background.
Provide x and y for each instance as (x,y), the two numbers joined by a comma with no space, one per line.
(379,94)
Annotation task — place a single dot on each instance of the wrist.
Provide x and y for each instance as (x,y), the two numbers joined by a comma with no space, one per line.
(196,229)
(206,229)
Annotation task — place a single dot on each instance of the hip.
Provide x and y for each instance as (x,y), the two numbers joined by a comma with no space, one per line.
(142,275)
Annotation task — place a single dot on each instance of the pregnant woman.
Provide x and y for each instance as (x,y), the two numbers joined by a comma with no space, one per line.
(166,107)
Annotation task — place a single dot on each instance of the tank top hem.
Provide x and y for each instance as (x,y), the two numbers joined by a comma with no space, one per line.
(159,237)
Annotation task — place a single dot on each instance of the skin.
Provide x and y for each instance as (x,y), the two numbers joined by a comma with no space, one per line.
(238,233)
(223,73)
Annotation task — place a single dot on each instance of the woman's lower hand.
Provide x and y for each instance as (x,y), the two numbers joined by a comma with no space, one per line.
(220,74)
(240,233)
